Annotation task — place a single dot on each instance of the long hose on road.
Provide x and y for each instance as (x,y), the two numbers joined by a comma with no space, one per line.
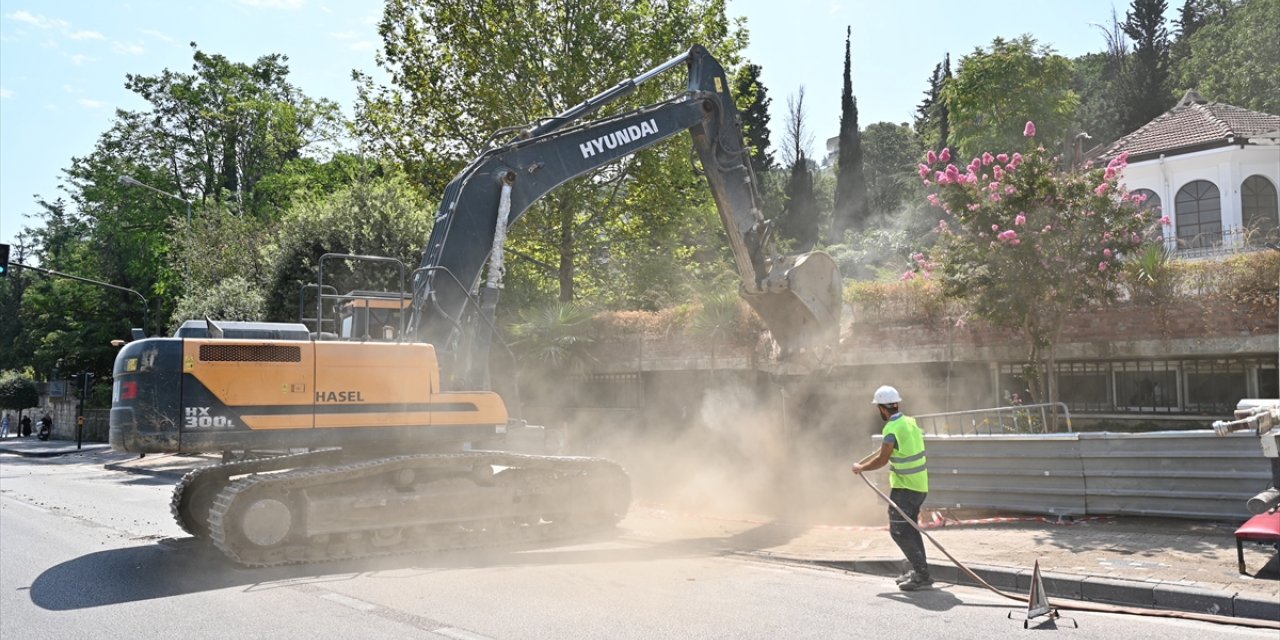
(1077,605)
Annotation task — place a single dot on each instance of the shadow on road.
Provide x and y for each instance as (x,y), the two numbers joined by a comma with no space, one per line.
(175,567)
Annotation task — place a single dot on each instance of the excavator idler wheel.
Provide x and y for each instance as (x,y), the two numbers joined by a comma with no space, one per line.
(266,522)
(403,479)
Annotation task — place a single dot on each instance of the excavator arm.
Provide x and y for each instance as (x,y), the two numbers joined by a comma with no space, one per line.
(798,296)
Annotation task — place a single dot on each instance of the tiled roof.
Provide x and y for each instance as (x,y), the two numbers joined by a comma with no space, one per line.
(1192,124)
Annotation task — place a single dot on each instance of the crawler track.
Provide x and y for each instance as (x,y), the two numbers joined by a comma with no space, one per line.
(194,494)
(408,504)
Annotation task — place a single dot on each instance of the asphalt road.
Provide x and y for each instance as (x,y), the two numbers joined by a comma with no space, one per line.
(86,552)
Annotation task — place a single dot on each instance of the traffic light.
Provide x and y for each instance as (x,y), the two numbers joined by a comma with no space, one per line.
(4,260)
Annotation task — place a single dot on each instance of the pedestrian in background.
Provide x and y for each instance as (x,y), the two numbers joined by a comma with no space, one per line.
(903,450)
(26,426)
(4,426)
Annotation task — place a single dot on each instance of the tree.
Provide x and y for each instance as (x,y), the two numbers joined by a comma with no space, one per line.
(18,391)
(382,216)
(462,70)
(995,90)
(1099,81)
(800,221)
(753,104)
(891,154)
(1234,56)
(1146,87)
(850,209)
(1030,244)
(933,118)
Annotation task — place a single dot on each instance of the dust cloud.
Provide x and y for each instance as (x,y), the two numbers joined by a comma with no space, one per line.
(746,451)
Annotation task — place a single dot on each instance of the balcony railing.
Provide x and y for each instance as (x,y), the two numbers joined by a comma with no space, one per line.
(1219,243)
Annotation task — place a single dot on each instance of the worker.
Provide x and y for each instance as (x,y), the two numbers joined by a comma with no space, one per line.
(903,450)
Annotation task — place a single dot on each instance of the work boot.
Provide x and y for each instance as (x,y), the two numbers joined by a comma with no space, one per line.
(916,582)
(903,578)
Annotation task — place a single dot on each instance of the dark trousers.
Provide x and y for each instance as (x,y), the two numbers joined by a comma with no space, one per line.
(906,536)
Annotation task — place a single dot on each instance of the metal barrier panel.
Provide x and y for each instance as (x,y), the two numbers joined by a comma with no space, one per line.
(1024,473)
(1182,474)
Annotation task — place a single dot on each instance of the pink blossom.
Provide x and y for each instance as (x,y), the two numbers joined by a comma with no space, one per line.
(1006,236)
(1017,158)
(993,187)
(1106,235)
(1106,252)
(974,206)
(933,200)
(1029,131)
(924,171)
(945,156)
(931,157)
(1102,266)
(995,227)
(1015,242)
(1164,220)
(1020,219)
(1138,198)
(987,158)
(975,165)
(1009,189)
(1101,189)
(908,275)
(1002,158)
(952,172)
(943,226)
(917,257)
(1135,238)
(1047,228)
(995,197)
(997,172)
(942,178)
(1109,174)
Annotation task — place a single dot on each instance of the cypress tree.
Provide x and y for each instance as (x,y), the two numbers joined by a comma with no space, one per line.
(800,217)
(850,211)
(753,104)
(1147,94)
(933,118)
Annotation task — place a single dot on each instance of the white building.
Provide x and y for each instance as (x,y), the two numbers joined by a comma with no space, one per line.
(1213,169)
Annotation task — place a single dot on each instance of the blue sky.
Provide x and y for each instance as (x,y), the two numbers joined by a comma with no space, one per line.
(63,64)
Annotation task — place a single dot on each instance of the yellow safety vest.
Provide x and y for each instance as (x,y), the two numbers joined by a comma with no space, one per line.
(907,464)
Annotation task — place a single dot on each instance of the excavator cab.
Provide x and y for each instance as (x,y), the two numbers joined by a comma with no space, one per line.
(376,316)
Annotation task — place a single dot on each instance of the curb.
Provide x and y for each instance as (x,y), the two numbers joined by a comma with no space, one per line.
(1136,593)
(48,453)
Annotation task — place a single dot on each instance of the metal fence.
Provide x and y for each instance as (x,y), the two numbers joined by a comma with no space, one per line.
(1023,418)
(1183,474)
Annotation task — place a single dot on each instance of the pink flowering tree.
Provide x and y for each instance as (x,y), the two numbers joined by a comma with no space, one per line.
(1025,244)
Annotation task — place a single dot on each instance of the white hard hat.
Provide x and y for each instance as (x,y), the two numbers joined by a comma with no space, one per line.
(886,395)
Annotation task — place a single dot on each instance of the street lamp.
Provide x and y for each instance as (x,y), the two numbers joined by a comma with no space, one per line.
(130,181)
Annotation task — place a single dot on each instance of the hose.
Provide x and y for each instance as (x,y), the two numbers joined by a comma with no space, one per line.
(1077,605)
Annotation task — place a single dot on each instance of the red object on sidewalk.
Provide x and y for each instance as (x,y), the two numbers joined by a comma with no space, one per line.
(1264,527)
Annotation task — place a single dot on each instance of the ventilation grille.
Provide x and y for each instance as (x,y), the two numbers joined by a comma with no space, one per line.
(249,353)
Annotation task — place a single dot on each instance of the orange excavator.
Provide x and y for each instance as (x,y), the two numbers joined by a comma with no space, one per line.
(344,444)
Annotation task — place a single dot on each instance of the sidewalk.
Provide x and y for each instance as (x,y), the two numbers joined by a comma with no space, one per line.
(1146,562)
(33,447)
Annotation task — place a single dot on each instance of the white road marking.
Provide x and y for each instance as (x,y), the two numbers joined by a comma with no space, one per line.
(347,601)
(459,634)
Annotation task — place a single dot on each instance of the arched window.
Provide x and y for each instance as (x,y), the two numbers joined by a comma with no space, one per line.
(1259,207)
(1198,211)
(1146,199)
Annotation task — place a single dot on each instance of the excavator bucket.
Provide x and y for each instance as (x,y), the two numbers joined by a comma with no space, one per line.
(800,302)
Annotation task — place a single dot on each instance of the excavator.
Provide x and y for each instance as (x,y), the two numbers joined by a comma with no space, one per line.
(337,446)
